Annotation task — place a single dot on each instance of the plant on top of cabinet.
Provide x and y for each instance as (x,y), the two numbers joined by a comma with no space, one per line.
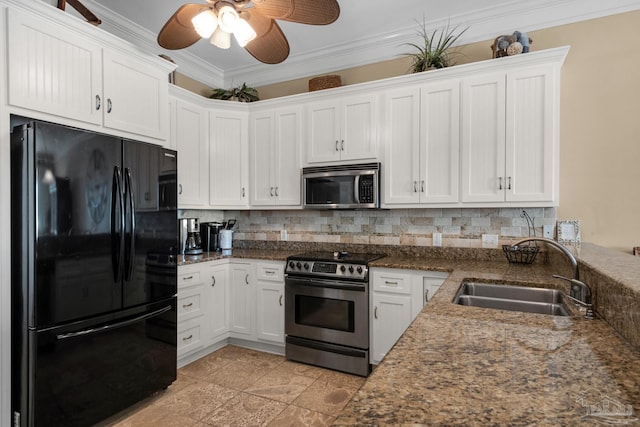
(434,51)
(242,93)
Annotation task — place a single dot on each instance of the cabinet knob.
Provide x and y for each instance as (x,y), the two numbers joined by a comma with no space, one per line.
(98,102)
(214,281)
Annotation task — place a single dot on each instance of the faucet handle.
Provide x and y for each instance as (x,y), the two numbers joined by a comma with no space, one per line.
(578,290)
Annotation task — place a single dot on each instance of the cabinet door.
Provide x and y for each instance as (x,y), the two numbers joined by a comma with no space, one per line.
(483,138)
(359,139)
(229,160)
(270,301)
(242,298)
(439,142)
(401,170)
(263,159)
(136,96)
(323,136)
(53,70)
(286,174)
(193,153)
(391,316)
(216,279)
(530,135)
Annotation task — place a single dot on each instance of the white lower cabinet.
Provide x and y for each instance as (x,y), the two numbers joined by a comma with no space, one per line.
(270,301)
(241,299)
(397,297)
(191,309)
(216,277)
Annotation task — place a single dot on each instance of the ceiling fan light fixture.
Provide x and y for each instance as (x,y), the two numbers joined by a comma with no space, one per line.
(243,32)
(228,18)
(221,39)
(205,23)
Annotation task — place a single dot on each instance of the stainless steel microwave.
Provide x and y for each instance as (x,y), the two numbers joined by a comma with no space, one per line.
(355,186)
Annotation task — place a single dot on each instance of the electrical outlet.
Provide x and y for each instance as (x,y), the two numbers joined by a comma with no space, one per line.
(436,239)
(489,240)
(284,235)
(547,231)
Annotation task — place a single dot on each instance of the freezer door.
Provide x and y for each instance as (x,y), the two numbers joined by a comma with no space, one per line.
(86,372)
(151,224)
(64,181)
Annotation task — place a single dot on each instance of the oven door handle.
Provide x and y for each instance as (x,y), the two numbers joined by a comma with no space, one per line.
(322,283)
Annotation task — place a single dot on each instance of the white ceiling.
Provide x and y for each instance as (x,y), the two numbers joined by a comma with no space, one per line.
(367,31)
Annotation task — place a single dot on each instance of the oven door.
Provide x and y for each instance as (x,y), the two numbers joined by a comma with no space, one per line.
(330,311)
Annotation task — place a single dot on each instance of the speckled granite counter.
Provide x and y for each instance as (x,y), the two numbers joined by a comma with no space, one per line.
(269,255)
(458,365)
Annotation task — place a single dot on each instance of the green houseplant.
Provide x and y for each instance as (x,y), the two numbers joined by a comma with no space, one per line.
(434,51)
(242,93)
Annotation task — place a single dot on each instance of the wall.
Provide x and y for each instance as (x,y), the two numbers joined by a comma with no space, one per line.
(600,102)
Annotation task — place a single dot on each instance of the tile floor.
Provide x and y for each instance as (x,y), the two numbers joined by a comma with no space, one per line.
(235,386)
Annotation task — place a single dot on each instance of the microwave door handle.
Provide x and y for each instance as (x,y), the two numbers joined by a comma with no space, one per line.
(356,189)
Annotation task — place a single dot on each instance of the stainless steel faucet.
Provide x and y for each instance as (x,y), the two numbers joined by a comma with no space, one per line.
(578,290)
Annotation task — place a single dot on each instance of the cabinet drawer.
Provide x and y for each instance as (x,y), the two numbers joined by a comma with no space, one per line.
(189,278)
(189,304)
(389,281)
(273,272)
(189,339)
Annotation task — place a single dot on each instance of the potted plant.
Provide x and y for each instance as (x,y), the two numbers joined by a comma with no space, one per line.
(243,93)
(434,51)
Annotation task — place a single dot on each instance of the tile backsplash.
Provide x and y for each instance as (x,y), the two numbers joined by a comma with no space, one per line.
(412,227)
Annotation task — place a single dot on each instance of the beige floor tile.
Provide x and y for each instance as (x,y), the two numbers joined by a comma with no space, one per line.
(202,368)
(245,410)
(197,400)
(280,385)
(257,358)
(294,416)
(238,375)
(342,378)
(301,369)
(154,416)
(327,395)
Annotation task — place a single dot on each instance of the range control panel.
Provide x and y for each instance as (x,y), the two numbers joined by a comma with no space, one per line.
(327,269)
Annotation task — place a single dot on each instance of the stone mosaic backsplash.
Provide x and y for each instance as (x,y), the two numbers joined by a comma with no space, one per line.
(411,227)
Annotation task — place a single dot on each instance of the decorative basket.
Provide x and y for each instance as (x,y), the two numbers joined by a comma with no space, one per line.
(324,82)
(520,254)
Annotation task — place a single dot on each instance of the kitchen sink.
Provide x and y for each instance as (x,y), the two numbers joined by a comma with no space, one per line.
(512,298)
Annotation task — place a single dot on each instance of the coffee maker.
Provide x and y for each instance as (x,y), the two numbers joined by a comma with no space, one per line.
(210,236)
(190,240)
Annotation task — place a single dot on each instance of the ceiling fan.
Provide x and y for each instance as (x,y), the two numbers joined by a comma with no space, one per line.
(252,22)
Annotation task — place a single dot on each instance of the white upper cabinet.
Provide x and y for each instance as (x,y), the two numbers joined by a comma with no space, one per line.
(228,159)
(192,144)
(342,129)
(422,144)
(510,136)
(275,138)
(61,71)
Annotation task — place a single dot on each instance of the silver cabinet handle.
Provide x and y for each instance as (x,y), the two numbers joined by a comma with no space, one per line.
(375,312)
(509,183)
(187,305)
(246,279)
(280,300)
(271,191)
(243,192)
(179,188)
(386,282)
(109,105)
(415,186)
(187,338)
(422,186)
(214,281)
(270,272)
(187,278)
(426,295)
(499,183)
(276,191)
(342,145)
(98,102)
(337,149)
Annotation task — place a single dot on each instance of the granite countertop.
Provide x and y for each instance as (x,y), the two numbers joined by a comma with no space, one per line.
(262,254)
(458,365)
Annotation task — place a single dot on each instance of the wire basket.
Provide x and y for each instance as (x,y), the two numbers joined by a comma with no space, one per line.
(520,254)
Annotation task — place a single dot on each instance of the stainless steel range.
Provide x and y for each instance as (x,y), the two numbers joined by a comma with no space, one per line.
(327,310)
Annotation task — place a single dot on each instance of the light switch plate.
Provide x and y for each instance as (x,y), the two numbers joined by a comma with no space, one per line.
(489,240)
(284,235)
(436,239)
(547,231)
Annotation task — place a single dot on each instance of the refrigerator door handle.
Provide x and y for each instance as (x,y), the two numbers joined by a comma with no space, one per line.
(114,325)
(131,216)
(117,225)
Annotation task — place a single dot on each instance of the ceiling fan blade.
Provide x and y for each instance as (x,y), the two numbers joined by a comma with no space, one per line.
(314,12)
(271,47)
(178,32)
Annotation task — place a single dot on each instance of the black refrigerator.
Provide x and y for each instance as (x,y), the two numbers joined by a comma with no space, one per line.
(94,274)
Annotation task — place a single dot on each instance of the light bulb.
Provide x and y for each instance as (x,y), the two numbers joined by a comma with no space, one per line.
(243,32)
(221,39)
(228,18)
(205,23)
